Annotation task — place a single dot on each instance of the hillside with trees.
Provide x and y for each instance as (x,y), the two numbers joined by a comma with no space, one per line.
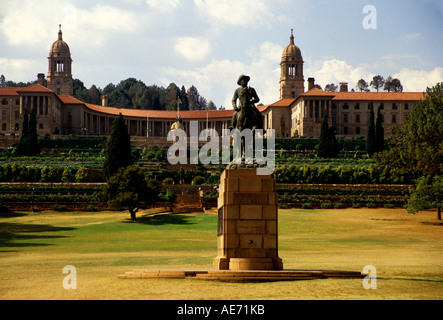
(134,94)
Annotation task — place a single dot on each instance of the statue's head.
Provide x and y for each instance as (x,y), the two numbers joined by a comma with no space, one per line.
(243,79)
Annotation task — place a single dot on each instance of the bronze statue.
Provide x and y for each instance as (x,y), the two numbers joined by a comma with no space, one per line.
(246,116)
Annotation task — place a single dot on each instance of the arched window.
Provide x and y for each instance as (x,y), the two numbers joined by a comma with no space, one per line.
(40,125)
(4,126)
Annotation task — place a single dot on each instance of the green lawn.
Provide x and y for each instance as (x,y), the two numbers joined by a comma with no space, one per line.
(406,250)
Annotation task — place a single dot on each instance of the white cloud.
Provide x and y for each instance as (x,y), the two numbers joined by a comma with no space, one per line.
(21,69)
(418,80)
(411,36)
(38,22)
(164,5)
(336,71)
(234,12)
(193,49)
(217,80)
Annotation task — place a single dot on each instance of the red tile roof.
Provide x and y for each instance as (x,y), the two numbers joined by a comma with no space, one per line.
(162,114)
(69,100)
(379,96)
(365,96)
(35,88)
(9,91)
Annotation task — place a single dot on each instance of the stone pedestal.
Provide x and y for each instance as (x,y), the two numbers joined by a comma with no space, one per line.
(247,236)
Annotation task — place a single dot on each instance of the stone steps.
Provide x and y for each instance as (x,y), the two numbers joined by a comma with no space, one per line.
(240,275)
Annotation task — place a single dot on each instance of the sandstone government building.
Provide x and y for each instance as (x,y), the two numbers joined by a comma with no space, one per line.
(299,112)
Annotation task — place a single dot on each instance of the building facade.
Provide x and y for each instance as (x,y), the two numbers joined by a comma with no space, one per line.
(297,113)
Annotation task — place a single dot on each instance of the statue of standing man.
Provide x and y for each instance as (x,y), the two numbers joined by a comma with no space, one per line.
(246,115)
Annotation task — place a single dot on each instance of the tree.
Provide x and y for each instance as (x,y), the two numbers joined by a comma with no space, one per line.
(130,189)
(2,81)
(393,85)
(328,146)
(428,194)
(22,147)
(362,85)
(33,145)
(193,98)
(370,135)
(417,146)
(118,150)
(379,132)
(377,82)
(28,143)
(211,106)
(331,87)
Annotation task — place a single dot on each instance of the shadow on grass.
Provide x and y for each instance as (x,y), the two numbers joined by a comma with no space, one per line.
(16,235)
(164,219)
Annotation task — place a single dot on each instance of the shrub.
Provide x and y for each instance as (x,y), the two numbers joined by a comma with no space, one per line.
(91,208)
(168,181)
(371,205)
(339,205)
(4,209)
(326,205)
(82,175)
(356,205)
(59,207)
(306,206)
(197,180)
(389,206)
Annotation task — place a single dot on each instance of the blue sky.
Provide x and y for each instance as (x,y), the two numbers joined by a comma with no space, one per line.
(209,43)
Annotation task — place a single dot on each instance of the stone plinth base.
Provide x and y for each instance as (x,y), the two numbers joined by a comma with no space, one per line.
(247,226)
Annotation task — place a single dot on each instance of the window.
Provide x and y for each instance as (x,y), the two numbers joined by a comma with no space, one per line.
(17,114)
(357,130)
(345,118)
(357,106)
(4,126)
(394,118)
(357,118)
(40,126)
(334,118)
(406,106)
(345,130)
(394,106)
(382,106)
(4,115)
(345,106)
(4,101)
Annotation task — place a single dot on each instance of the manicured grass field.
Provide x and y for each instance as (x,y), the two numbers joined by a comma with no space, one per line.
(407,251)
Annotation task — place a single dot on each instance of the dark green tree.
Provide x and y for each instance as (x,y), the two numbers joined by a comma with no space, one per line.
(33,145)
(428,194)
(379,132)
(118,150)
(328,146)
(377,82)
(22,147)
(129,189)
(417,146)
(370,135)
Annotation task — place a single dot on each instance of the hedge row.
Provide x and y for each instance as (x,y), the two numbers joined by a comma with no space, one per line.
(318,174)
(22,173)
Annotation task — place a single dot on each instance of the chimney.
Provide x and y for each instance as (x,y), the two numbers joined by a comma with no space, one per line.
(343,87)
(41,79)
(104,100)
(311,83)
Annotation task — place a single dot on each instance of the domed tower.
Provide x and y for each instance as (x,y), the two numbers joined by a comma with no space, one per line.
(59,73)
(291,80)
